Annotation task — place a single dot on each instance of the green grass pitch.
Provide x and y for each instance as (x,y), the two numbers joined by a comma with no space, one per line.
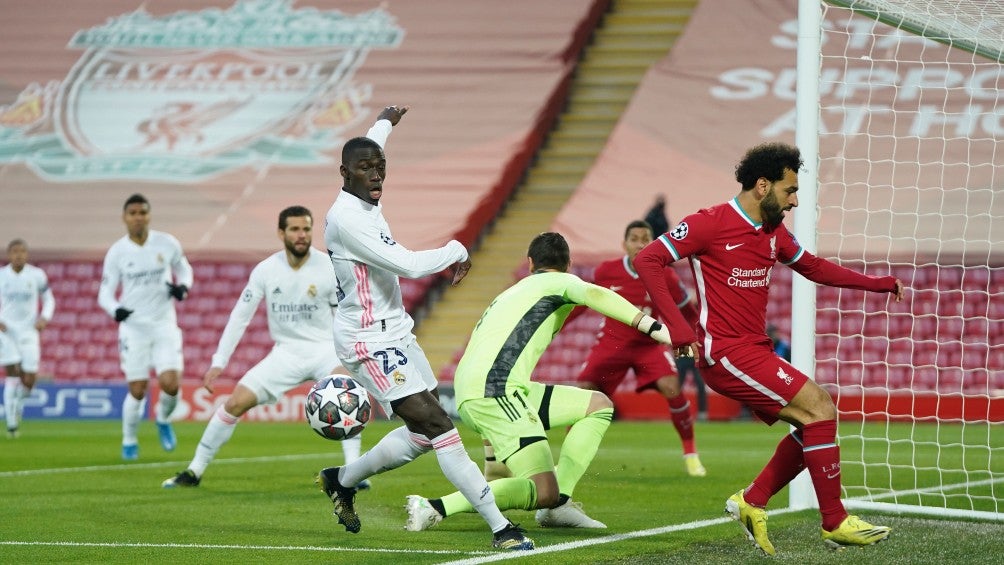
(67,497)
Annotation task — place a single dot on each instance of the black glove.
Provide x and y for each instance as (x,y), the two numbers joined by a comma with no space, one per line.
(121,314)
(178,291)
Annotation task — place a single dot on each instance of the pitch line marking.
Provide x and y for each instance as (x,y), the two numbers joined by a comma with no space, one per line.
(232,546)
(565,546)
(127,466)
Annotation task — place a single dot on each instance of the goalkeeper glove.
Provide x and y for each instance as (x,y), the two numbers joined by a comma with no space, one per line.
(121,314)
(654,329)
(178,291)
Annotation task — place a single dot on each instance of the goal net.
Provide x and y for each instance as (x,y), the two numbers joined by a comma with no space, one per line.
(911,182)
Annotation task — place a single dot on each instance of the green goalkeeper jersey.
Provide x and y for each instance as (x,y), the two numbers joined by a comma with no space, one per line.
(518,326)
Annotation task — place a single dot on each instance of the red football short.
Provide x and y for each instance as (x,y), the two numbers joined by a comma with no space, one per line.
(607,365)
(756,377)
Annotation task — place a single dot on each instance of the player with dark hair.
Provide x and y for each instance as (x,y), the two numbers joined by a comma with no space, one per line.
(375,342)
(299,294)
(22,288)
(732,249)
(620,348)
(497,399)
(152,269)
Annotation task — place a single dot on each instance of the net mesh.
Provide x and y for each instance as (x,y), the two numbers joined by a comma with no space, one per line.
(910,183)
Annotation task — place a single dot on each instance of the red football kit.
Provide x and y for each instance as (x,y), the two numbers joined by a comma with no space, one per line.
(620,347)
(731,257)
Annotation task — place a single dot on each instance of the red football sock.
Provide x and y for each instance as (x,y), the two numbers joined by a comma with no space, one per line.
(822,458)
(784,466)
(683,421)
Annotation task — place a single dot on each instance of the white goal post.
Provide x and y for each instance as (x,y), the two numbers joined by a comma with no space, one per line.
(900,120)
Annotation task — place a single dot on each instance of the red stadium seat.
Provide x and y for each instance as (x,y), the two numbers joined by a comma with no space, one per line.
(900,377)
(950,380)
(925,378)
(850,374)
(826,372)
(827,322)
(995,357)
(996,381)
(925,327)
(950,279)
(976,279)
(976,381)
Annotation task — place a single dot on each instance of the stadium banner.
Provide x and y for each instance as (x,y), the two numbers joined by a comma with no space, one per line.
(198,404)
(70,400)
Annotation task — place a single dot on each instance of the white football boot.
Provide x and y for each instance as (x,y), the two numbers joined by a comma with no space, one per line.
(421,516)
(568,515)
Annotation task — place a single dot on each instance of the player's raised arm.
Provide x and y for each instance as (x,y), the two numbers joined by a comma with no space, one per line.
(460,270)
(387,119)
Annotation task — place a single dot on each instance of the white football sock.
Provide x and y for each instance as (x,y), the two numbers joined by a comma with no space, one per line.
(10,397)
(22,393)
(218,431)
(351,448)
(132,411)
(393,450)
(165,405)
(466,476)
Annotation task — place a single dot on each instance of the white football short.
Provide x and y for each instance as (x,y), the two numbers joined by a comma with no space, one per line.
(21,345)
(288,365)
(149,347)
(389,369)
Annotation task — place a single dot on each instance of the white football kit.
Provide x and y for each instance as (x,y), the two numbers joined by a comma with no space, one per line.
(20,294)
(150,336)
(373,331)
(299,305)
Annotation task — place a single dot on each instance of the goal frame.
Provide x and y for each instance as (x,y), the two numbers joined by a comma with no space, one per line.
(808,122)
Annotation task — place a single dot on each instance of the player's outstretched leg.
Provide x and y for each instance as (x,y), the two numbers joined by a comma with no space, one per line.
(854,531)
(343,497)
(753,520)
(567,515)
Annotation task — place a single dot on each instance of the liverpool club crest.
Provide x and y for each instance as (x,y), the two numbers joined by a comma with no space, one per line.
(190,95)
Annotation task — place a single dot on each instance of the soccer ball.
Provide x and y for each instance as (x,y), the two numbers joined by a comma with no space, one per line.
(338,407)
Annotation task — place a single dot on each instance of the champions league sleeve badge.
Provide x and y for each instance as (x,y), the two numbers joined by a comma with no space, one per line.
(680,231)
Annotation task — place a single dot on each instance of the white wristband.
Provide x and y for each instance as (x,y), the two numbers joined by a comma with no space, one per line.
(661,335)
(645,324)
